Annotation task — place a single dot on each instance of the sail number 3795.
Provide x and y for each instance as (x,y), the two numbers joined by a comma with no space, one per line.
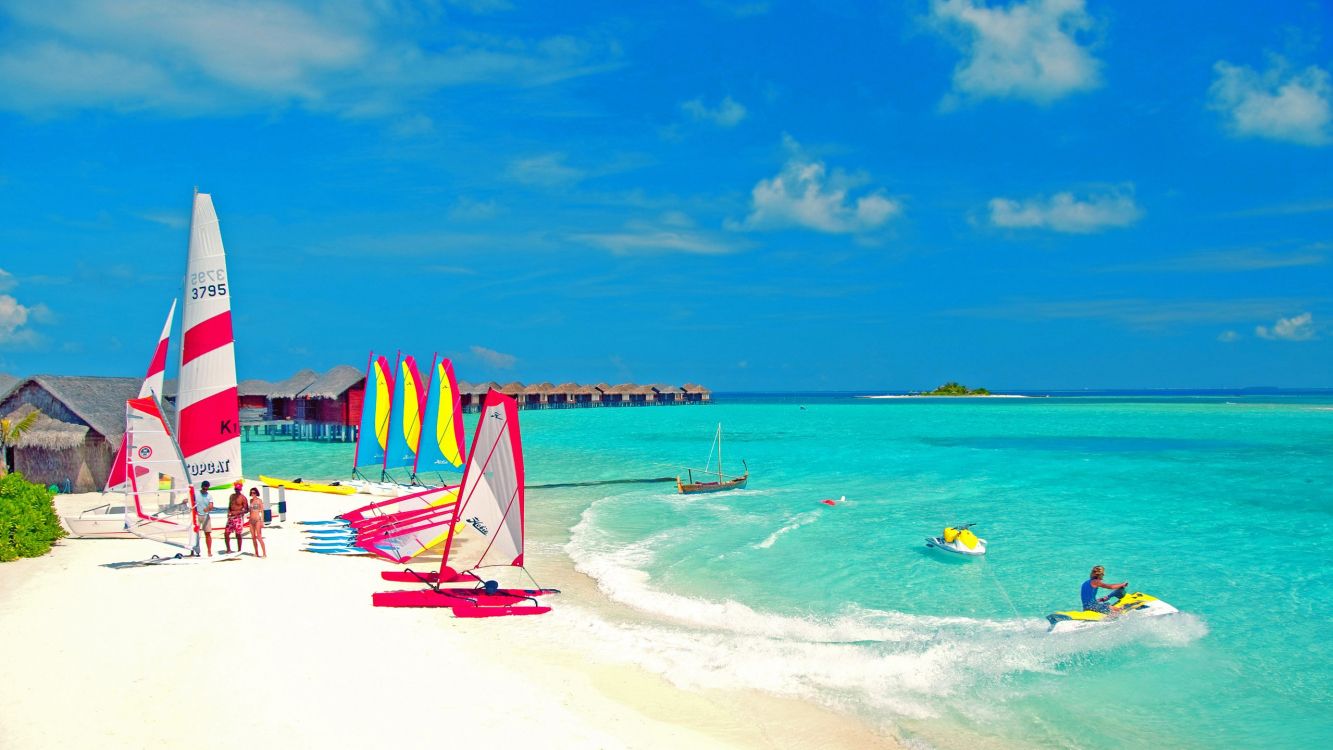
(204,284)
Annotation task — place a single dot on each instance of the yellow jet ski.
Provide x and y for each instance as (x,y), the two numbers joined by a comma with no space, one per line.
(1135,604)
(959,541)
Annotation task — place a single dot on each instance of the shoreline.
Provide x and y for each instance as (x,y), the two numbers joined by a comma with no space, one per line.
(81,631)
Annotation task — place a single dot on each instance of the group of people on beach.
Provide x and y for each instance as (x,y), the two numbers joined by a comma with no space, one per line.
(240,512)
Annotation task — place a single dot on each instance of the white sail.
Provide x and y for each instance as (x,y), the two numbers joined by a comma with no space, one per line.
(159,496)
(208,417)
(117,480)
(490,500)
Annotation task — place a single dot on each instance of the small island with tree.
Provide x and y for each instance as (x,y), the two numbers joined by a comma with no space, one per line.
(956,389)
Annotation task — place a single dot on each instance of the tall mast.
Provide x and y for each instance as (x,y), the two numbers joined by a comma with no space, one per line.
(719,451)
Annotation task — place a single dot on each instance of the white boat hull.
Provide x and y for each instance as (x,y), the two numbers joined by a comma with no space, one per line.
(957,548)
(1148,607)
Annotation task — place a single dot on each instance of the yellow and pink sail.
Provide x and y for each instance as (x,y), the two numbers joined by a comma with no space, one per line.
(400,451)
(372,438)
(441,446)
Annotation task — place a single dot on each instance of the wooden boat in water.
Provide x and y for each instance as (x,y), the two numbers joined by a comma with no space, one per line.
(722,483)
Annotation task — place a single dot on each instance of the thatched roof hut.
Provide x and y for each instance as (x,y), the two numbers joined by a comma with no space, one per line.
(514,389)
(569,387)
(251,387)
(334,383)
(47,433)
(7,382)
(292,387)
(84,419)
(696,394)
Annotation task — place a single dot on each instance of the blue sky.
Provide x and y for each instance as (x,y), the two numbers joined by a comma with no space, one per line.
(751,195)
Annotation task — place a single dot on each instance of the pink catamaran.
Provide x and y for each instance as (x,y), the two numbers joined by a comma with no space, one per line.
(491,504)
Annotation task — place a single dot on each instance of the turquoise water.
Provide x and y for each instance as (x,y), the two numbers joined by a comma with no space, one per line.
(1221,506)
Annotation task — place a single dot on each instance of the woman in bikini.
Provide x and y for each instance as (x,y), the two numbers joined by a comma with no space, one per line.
(257,522)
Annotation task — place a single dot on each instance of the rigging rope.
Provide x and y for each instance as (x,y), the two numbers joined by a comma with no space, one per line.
(985,564)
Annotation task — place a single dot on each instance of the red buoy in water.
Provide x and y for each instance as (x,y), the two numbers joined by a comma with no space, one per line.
(829,502)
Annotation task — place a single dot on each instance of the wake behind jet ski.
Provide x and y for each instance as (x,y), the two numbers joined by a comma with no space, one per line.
(959,541)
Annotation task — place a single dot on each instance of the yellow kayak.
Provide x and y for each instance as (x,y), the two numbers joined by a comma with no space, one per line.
(336,489)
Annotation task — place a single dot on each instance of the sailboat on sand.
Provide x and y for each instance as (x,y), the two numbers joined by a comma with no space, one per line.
(722,483)
(160,501)
(108,521)
(491,504)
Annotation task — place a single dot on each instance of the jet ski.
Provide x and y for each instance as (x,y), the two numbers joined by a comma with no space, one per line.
(1135,604)
(959,540)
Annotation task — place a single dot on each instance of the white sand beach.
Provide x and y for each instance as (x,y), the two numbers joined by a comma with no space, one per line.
(288,652)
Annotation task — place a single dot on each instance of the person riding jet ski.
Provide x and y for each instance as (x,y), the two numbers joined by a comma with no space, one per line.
(1112,607)
(1089,592)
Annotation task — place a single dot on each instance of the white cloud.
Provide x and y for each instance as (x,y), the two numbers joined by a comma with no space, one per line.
(648,238)
(217,55)
(1023,50)
(1274,104)
(13,318)
(727,114)
(804,194)
(1296,328)
(1228,337)
(493,358)
(548,169)
(1063,212)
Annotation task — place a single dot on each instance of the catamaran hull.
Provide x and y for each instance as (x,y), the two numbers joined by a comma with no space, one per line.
(97,528)
(468,603)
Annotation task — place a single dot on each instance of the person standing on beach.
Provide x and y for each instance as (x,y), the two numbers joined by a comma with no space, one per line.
(257,522)
(236,508)
(203,506)
(1089,592)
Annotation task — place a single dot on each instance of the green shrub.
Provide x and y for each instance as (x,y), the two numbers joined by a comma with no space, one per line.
(28,521)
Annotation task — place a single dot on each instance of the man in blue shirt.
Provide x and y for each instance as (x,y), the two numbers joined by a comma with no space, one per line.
(1089,591)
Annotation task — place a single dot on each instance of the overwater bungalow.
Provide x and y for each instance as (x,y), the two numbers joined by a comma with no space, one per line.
(696,394)
(73,443)
(535,395)
(667,394)
(282,398)
(252,398)
(513,390)
(610,396)
(333,403)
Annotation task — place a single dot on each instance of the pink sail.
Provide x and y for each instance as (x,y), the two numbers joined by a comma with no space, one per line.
(207,411)
(117,480)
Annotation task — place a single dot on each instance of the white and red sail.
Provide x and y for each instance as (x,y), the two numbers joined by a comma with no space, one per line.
(208,416)
(161,506)
(152,386)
